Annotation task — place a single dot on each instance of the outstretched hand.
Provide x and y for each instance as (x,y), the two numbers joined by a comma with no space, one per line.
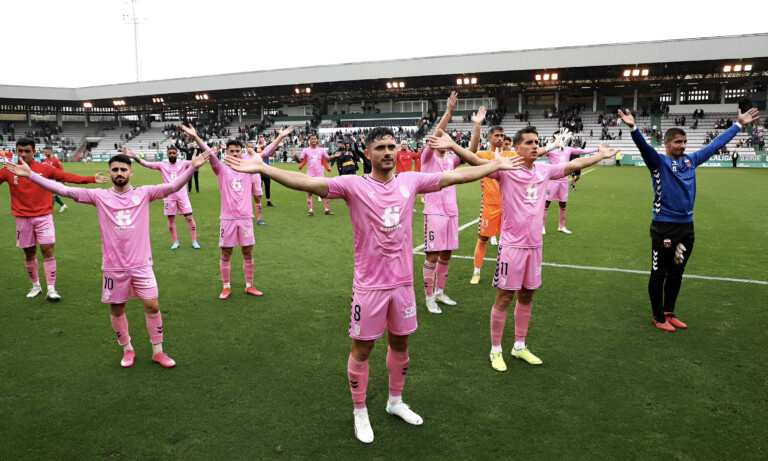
(440,140)
(452,100)
(285,132)
(129,153)
(510,163)
(752,115)
(606,151)
(191,131)
(199,159)
(480,116)
(252,165)
(627,118)
(20,169)
(100,178)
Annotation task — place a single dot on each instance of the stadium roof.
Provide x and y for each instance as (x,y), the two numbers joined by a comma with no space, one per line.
(668,62)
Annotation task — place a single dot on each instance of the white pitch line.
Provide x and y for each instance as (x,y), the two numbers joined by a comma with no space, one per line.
(417,251)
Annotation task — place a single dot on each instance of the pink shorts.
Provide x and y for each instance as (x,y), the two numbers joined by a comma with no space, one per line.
(35,230)
(374,311)
(172,207)
(236,232)
(557,190)
(518,268)
(118,285)
(440,233)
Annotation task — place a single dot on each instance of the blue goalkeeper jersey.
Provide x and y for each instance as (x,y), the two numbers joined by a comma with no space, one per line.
(674,181)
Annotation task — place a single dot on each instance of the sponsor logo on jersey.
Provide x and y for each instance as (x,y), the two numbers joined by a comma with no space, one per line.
(391,218)
(410,310)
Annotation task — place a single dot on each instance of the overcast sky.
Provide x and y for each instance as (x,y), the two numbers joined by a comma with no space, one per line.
(77,43)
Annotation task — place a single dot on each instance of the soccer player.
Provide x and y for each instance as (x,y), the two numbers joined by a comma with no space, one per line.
(51,159)
(404,158)
(257,191)
(123,212)
(673,177)
(189,152)
(316,158)
(178,202)
(441,220)
(32,206)
(518,265)
(236,214)
(381,210)
(490,207)
(558,189)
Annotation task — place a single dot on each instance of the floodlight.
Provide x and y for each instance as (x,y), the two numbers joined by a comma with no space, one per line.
(309,90)
(389,85)
(474,80)
(635,72)
(737,68)
(402,84)
(538,77)
(466,81)
(727,69)
(644,73)
(627,73)
(554,76)
(88,105)
(458,81)
(546,77)
(748,67)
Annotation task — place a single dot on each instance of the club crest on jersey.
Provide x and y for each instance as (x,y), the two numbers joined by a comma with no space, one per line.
(136,200)
(688,162)
(667,243)
(107,294)
(404,191)
(356,328)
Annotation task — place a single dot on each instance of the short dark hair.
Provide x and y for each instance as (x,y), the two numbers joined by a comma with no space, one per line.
(26,142)
(48,148)
(122,158)
(670,134)
(495,128)
(507,138)
(235,142)
(170,148)
(519,135)
(377,133)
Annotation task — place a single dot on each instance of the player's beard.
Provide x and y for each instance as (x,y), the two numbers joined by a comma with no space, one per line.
(120,181)
(172,160)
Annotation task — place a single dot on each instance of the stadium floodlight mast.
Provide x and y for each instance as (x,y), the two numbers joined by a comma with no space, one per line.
(133,19)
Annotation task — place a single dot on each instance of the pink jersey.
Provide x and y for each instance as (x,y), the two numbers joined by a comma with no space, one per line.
(123,218)
(314,158)
(236,190)
(442,202)
(170,171)
(382,221)
(560,156)
(522,203)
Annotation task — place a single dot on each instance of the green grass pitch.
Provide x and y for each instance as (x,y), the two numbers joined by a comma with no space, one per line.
(266,377)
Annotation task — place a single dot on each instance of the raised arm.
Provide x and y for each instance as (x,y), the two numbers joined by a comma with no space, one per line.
(580,163)
(144,163)
(449,108)
(270,149)
(473,173)
(649,154)
(22,170)
(442,140)
(478,120)
(713,147)
(290,179)
(183,178)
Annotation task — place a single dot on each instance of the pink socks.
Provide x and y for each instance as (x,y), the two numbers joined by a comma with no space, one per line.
(248,269)
(120,325)
(309,201)
(498,320)
(397,366)
(32,268)
(358,381)
(562,217)
(522,318)
(154,326)
(172,228)
(442,273)
(192,227)
(226,270)
(49,267)
(429,279)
